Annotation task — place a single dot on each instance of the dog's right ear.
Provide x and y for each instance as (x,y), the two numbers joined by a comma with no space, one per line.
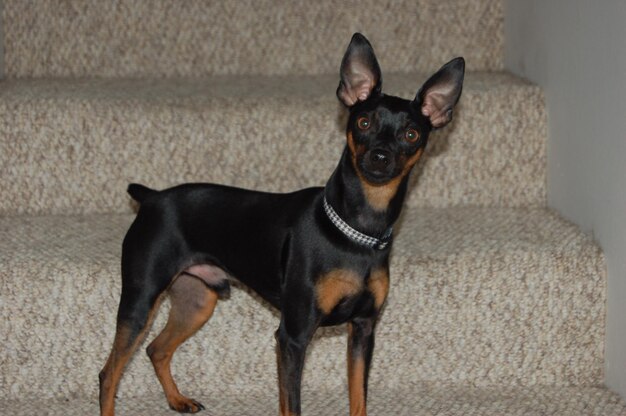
(360,73)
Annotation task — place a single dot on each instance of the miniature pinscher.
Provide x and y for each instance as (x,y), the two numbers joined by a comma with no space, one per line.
(319,255)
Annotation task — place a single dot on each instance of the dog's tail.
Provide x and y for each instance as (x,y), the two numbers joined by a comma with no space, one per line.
(139,192)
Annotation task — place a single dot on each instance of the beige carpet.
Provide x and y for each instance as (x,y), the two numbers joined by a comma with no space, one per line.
(485,296)
(496,306)
(413,401)
(74,145)
(201,37)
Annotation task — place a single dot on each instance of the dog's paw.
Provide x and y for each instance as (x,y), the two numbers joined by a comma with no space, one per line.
(185,405)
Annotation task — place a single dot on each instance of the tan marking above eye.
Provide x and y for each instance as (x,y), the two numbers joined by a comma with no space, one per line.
(363,123)
(411,135)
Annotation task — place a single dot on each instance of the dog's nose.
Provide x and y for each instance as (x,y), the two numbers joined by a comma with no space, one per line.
(380,159)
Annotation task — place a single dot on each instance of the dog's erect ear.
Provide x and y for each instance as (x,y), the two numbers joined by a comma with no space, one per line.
(360,73)
(440,93)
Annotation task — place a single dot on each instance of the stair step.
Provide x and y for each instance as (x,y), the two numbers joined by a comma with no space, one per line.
(453,400)
(135,38)
(73,145)
(483,296)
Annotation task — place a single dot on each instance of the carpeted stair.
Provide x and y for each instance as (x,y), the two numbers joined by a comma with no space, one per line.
(496,306)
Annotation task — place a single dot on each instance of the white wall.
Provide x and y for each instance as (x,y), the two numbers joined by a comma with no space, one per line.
(576,50)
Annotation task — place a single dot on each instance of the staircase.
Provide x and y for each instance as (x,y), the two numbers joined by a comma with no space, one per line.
(496,306)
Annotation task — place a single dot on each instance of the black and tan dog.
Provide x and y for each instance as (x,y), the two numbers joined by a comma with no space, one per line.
(319,255)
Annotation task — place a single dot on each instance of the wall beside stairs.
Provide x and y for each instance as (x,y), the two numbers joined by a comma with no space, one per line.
(575,50)
(1,42)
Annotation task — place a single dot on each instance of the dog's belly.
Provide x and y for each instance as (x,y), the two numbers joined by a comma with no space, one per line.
(347,307)
(217,279)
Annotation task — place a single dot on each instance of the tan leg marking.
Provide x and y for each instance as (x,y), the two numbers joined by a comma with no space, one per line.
(378,284)
(356,380)
(192,306)
(122,351)
(282,390)
(336,285)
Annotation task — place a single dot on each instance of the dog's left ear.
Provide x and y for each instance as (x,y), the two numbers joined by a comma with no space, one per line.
(360,72)
(440,93)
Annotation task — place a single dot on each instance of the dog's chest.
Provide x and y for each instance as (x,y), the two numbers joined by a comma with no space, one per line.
(342,294)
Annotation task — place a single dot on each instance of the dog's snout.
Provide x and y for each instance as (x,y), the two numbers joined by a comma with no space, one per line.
(380,158)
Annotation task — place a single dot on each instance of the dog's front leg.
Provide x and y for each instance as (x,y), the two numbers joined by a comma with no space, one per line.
(360,348)
(293,337)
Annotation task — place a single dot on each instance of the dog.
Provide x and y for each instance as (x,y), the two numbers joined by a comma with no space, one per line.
(319,255)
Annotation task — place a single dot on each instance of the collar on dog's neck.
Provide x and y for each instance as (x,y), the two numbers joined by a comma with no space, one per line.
(354,235)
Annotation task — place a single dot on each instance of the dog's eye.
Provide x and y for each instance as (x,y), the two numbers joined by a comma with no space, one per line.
(411,135)
(363,123)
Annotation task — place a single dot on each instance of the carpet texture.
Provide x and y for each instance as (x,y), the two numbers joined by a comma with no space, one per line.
(496,304)
(418,401)
(72,146)
(483,296)
(138,38)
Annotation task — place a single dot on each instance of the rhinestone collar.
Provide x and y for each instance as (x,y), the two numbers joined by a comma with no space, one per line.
(357,236)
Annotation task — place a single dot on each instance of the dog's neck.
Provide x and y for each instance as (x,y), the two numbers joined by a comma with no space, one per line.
(346,194)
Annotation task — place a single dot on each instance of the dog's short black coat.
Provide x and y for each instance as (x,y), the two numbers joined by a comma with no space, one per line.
(190,240)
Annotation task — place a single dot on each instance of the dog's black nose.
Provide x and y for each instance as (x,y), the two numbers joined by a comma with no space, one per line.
(380,159)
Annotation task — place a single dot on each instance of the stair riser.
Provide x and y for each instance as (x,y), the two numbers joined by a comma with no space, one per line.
(489,321)
(196,37)
(78,156)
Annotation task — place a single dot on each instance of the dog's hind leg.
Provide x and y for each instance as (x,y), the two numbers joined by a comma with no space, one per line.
(135,314)
(192,304)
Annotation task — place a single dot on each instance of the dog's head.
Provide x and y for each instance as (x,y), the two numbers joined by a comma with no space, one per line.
(386,134)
